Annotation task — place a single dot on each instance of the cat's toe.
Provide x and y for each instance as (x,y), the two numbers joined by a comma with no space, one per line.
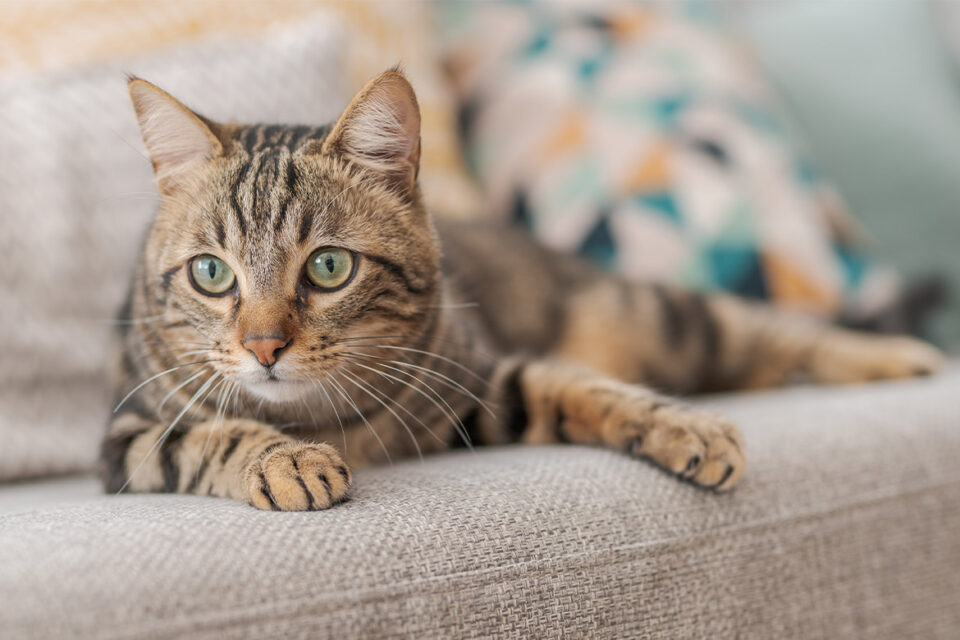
(298,477)
(675,448)
(718,474)
(921,359)
(698,446)
(724,463)
(900,357)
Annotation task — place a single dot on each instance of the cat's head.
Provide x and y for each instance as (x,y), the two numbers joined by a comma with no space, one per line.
(276,248)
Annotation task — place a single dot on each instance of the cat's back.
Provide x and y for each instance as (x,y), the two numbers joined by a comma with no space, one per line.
(515,285)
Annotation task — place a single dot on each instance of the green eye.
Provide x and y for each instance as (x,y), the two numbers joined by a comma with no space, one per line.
(330,267)
(211,275)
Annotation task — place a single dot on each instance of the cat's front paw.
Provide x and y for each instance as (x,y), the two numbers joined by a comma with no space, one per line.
(696,445)
(298,477)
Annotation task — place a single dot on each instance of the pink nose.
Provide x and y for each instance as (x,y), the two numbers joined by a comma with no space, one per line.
(265,348)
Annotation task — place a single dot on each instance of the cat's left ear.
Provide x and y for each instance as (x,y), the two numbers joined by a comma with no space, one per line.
(380,130)
(177,139)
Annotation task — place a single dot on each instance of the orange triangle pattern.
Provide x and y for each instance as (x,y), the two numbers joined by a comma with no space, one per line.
(631,24)
(652,173)
(789,287)
(569,136)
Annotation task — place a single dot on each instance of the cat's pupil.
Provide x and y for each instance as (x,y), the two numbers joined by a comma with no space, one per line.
(330,264)
(212,269)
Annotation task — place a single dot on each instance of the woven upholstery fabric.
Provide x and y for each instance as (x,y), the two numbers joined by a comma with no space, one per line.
(76,194)
(844,526)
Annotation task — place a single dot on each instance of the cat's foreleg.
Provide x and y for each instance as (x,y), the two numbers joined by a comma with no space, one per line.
(240,459)
(543,401)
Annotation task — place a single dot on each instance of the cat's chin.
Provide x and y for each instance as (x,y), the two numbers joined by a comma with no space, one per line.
(280,391)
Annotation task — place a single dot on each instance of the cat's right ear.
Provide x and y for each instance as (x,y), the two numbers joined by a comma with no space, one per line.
(380,130)
(178,140)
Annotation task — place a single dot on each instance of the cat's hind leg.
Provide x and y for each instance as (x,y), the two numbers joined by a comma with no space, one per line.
(763,346)
(685,342)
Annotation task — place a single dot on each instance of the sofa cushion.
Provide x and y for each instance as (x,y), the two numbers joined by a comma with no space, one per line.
(845,525)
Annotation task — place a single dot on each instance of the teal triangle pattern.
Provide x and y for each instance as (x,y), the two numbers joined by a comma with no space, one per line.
(599,245)
(663,203)
(666,109)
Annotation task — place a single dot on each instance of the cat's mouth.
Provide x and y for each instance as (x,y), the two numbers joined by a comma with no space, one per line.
(276,389)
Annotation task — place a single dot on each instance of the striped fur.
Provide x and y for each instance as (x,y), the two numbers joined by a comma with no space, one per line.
(449,334)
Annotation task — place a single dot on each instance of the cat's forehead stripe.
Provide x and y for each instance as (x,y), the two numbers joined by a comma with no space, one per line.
(256,138)
(306,225)
(264,194)
(221,231)
(235,198)
(266,182)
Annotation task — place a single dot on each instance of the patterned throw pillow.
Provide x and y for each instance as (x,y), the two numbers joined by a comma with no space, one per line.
(645,140)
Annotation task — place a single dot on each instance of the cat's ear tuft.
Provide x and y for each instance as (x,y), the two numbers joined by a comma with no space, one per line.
(380,130)
(177,139)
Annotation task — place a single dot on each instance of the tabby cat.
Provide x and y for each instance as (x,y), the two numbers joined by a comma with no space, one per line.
(296,313)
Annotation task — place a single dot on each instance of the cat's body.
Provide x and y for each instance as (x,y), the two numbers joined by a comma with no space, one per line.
(293,292)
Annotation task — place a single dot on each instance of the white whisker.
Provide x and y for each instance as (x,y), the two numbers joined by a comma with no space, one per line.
(430,354)
(357,382)
(319,385)
(346,396)
(170,428)
(451,416)
(193,353)
(180,386)
(441,378)
(154,377)
(223,385)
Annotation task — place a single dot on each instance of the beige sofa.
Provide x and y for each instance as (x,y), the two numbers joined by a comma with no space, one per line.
(847,525)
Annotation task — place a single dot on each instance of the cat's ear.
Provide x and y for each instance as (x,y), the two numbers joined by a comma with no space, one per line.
(177,139)
(380,129)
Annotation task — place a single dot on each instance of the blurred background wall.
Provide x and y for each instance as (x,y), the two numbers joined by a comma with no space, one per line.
(874,90)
